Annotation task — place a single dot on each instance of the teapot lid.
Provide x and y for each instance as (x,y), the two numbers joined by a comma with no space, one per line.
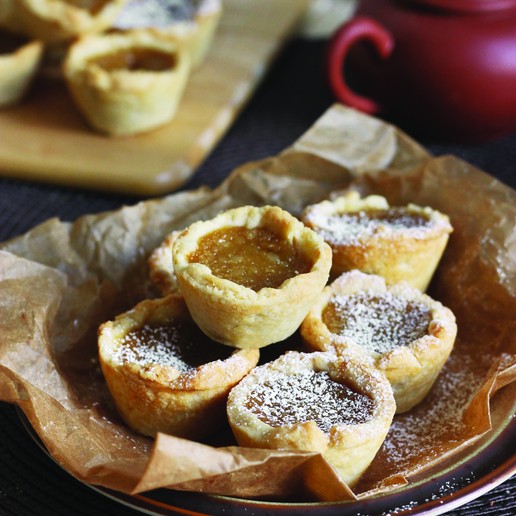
(469,5)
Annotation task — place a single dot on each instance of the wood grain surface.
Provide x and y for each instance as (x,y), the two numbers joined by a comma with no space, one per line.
(45,138)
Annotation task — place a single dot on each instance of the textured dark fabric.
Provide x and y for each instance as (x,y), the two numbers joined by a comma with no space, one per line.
(291,98)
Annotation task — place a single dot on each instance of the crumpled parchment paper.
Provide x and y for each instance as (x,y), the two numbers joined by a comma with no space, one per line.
(59,281)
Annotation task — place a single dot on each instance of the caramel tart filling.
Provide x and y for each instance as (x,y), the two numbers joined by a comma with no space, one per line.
(378,322)
(284,400)
(155,13)
(254,258)
(136,59)
(92,6)
(352,226)
(180,345)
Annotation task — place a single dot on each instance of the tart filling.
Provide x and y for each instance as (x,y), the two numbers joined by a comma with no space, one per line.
(399,243)
(283,400)
(255,258)
(191,23)
(319,402)
(19,62)
(132,59)
(164,374)
(127,83)
(179,345)
(402,332)
(250,275)
(380,322)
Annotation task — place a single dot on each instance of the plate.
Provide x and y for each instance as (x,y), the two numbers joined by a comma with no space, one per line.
(45,139)
(482,467)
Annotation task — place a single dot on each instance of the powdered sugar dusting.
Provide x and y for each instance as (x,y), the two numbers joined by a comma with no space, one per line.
(155,13)
(352,228)
(378,322)
(416,434)
(153,345)
(283,399)
(180,345)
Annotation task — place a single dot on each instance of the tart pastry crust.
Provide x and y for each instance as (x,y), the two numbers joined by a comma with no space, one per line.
(122,100)
(161,267)
(237,315)
(400,244)
(52,21)
(349,446)
(17,69)
(410,352)
(154,394)
(201,38)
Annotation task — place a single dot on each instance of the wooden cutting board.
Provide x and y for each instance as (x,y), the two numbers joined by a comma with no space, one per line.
(45,138)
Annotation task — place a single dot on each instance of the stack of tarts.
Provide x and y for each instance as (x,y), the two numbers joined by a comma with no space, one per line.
(188,362)
(126,62)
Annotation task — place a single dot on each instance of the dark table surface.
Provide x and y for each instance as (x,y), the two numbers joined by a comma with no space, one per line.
(292,96)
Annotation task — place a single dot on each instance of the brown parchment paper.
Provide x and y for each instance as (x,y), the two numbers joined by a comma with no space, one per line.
(59,281)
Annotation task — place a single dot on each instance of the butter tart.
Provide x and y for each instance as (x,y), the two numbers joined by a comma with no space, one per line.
(19,61)
(54,21)
(398,243)
(250,275)
(191,22)
(126,83)
(161,268)
(164,374)
(319,402)
(398,329)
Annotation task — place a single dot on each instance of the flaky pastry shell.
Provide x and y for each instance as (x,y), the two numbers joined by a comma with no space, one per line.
(411,369)
(52,21)
(236,315)
(153,397)
(124,101)
(408,254)
(161,267)
(349,448)
(206,22)
(17,69)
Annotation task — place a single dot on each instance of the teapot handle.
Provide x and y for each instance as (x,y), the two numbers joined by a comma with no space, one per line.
(359,28)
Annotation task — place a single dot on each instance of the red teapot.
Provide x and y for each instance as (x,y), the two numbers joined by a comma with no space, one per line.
(444,68)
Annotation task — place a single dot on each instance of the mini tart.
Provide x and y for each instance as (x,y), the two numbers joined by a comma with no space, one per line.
(127,83)
(52,21)
(401,331)
(191,23)
(164,374)
(398,243)
(161,268)
(317,402)
(250,275)
(19,62)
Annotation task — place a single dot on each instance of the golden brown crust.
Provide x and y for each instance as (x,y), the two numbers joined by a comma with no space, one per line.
(409,254)
(206,21)
(236,315)
(349,448)
(17,69)
(161,267)
(153,397)
(123,101)
(411,369)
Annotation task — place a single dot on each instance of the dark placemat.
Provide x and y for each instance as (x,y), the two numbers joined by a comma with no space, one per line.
(291,98)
